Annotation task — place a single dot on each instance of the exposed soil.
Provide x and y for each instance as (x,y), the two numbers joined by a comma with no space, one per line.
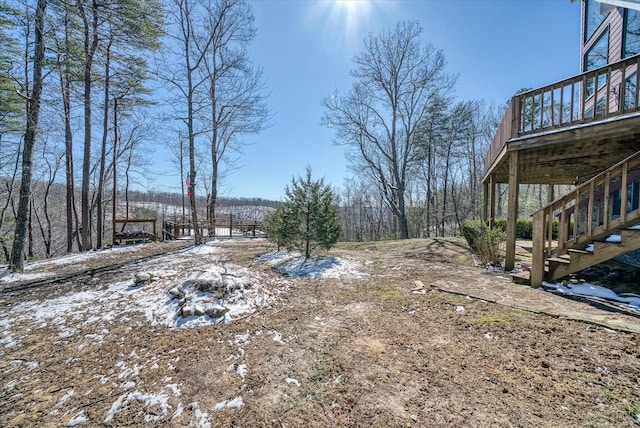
(328,352)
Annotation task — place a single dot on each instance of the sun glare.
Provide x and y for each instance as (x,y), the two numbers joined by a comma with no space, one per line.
(352,11)
(342,20)
(353,8)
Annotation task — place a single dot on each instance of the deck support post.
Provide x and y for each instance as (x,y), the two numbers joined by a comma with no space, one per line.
(489,207)
(485,202)
(512,211)
(537,252)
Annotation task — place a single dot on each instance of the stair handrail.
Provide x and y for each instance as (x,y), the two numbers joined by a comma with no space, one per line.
(578,211)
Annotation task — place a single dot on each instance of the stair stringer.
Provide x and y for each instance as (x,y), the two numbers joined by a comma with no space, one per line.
(602,251)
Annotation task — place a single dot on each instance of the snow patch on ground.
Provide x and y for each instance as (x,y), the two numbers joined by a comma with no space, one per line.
(591,290)
(293,265)
(78,419)
(236,403)
(70,259)
(159,402)
(292,381)
(183,290)
(202,279)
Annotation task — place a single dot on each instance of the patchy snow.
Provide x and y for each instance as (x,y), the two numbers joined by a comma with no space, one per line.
(149,400)
(614,238)
(49,265)
(202,419)
(292,381)
(78,419)
(65,397)
(276,257)
(277,337)
(293,265)
(187,289)
(591,290)
(236,403)
(241,369)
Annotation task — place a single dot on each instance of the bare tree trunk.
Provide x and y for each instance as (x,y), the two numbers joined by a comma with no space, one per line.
(444,189)
(103,150)
(46,232)
(30,230)
(33,114)
(429,189)
(182,179)
(64,72)
(126,185)
(115,168)
(90,47)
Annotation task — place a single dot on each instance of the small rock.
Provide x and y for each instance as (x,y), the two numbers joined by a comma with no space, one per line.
(460,309)
(198,310)
(215,311)
(177,292)
(414,418)
(142,278)
(186,311)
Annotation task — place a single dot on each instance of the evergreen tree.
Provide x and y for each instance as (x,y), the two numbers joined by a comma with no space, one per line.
(11,106)
(308,219)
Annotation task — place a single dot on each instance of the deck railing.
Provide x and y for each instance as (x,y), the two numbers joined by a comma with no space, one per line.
(592,211)
(599,94)
(222,227)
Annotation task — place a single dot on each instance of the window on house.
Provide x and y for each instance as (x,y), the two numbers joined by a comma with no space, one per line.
(597,56)
(631,34)
(599,111)
(630,92)
(598,53)
(592,18)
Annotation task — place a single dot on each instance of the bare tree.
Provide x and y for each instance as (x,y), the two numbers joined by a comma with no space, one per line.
(89,13)
(188,82)
(397,79)
(66,49)
(51,159)
(235,86)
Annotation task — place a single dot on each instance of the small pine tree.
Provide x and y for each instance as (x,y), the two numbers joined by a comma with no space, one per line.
(308,219)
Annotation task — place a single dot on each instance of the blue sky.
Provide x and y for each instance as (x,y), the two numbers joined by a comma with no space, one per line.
(305,48)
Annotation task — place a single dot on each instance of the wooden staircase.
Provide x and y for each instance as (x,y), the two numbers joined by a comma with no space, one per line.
(575,260)
(588,219)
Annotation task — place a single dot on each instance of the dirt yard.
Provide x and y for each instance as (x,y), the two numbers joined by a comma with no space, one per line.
(356,348)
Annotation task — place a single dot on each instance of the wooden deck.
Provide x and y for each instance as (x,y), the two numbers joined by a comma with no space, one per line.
(222,228)
(560,136)
(565,133)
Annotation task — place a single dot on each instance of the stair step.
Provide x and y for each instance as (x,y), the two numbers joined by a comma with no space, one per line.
(565,256)
(523,278)
(577,251)
(559,260)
